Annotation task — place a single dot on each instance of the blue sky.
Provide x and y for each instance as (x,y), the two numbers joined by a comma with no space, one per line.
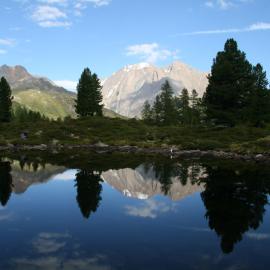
(58,38)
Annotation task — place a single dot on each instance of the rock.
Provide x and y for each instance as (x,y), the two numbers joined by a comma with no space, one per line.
(55,142)
(101,144)
(260,157)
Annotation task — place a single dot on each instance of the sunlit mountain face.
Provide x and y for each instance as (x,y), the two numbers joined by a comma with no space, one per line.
(106,214)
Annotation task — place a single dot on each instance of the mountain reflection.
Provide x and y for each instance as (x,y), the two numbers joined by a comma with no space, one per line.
(234,195)
(235,201)
(5,182)
(88,191)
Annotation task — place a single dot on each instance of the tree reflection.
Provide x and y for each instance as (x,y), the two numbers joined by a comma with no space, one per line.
(88,191)
(5,182)
(235,202)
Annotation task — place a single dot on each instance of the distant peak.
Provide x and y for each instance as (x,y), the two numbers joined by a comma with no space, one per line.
(137,66)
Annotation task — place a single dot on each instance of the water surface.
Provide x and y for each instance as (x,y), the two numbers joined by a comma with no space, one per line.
(111,212)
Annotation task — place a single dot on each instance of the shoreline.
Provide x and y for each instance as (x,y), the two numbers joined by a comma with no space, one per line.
(171,152)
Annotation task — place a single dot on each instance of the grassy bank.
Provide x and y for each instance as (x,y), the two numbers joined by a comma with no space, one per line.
(240,139)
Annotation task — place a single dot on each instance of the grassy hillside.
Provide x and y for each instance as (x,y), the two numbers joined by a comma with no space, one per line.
(51,103)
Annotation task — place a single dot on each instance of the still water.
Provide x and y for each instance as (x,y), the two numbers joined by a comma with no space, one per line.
(107,212)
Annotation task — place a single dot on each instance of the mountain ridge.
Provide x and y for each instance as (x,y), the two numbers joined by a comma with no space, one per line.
(40,94)
(128,88)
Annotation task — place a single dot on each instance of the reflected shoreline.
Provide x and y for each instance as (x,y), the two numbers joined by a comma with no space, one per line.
(234,195)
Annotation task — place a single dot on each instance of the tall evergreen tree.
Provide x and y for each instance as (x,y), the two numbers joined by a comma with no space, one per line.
(169,112)
(196,108)
(258,109)
(147,112)
(5,101)
(97,95)
(230,83)
(184,109)
(89,97)
(158,111)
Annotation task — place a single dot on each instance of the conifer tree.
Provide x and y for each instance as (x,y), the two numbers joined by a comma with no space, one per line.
(230,83)
(147,113)
(258,109)
(89,97)
(184,109)
(168,109)
(5,101)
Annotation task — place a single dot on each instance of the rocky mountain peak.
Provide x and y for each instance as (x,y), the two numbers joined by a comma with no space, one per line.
(126,90)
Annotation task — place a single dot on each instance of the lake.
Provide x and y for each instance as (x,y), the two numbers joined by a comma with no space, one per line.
(89,211)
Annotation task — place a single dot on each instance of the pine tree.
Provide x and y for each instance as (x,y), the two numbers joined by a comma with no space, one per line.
(258,110)
(168,114)
(97,95)
(147,113)
(89,95)
(230,83)
(196,110)
(5,101)
(158,111)
(184,109)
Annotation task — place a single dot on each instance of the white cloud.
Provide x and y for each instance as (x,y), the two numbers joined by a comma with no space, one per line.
(7,42)
(98,3)
(45,13)
(48,24)
(260,26)
(225,4)
(60,2)
(49,16)
(80,5)
(69,85)
(150,52)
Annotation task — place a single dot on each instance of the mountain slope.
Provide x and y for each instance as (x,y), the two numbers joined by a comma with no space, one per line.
(143,185)
(40,94)
(126,90)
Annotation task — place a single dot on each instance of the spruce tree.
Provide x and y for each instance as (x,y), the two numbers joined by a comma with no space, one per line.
(258,109)
(196,108)
(97,95)
(89,97)
(147,113)
(158,111)
(184,109)
(230,83)
(168,109)
(5,101)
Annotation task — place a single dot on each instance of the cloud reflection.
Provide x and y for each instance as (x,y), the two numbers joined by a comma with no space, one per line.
(148,209)
(52,251)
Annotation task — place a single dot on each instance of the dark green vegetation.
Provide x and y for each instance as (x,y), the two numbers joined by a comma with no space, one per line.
(5,101)
(237,94)
(233,115)
(237,91)
(169,110)
(89,97)
(134,132)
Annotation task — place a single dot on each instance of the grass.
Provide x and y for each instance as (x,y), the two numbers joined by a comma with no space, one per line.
(240,139)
